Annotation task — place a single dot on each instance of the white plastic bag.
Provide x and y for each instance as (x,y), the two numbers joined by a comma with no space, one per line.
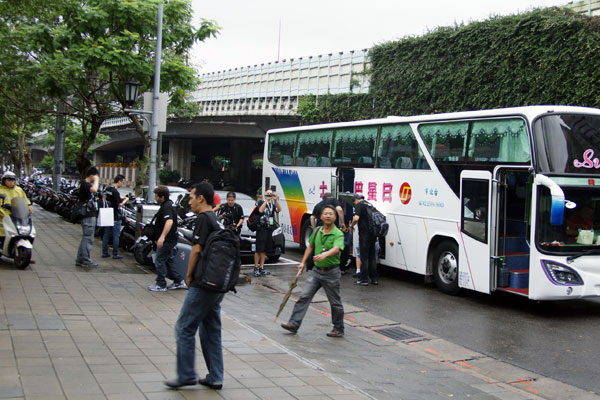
(106,217)
(585,236)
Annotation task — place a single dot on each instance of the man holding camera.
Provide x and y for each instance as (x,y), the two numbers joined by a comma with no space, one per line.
(264,234)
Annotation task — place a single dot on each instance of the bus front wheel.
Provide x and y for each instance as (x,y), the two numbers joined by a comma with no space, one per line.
(445,268)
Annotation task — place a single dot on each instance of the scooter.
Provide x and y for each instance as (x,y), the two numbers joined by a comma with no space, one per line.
(19,232)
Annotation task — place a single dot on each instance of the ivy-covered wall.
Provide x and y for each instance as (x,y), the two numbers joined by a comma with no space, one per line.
(547,56)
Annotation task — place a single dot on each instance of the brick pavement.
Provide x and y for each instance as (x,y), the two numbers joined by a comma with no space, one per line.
(70,333)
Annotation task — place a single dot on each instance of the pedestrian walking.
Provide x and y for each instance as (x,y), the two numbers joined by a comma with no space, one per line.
(264,234)
(325,245)
(201,309)
(87,189)
(116,201)
(166,228)
(366,240)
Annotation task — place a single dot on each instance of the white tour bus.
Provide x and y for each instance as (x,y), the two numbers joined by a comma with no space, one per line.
(503,199)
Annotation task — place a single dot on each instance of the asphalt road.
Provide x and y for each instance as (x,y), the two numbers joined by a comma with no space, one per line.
(555,339)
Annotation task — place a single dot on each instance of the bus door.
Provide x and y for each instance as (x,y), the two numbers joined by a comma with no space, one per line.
(344,185)
(474,258)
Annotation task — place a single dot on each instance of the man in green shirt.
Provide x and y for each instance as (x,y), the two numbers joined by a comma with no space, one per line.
(327,243)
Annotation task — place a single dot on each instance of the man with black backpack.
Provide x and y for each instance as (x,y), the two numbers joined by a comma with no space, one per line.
(201,310)
(366,240)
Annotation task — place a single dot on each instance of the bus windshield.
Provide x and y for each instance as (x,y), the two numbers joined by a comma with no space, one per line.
(567,144)
(581,226)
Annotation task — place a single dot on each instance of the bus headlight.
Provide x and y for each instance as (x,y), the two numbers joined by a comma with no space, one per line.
(561,274)
(277,231)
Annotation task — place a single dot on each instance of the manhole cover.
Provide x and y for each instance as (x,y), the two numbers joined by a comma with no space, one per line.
(397,333)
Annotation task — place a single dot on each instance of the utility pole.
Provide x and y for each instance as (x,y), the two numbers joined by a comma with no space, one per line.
(59,147)
(154,127)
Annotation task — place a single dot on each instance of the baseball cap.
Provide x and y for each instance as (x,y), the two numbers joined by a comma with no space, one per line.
(357,196)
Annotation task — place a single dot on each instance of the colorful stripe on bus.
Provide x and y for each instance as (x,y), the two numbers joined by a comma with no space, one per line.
(294,196)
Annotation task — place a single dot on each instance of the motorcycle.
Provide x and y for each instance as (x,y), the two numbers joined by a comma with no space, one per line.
(19,232)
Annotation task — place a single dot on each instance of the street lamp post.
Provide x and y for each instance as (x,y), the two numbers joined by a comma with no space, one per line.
(131,93)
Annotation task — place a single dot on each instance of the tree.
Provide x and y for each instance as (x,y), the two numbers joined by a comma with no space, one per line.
(80,54)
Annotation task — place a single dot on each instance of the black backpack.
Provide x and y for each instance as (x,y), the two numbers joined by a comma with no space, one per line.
(379,226)
(219,267)
(254,219)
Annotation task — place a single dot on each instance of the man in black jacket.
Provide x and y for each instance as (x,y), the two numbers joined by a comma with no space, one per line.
(115,201)
(166,229)
(201,309)
(366,241)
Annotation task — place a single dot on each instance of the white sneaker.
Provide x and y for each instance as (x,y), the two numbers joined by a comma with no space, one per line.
(156,288)
(175,286)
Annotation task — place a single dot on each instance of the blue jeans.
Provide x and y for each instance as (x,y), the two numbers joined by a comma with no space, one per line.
(201,311)
(88,226)
(164,264)
(330,281)
(116,231)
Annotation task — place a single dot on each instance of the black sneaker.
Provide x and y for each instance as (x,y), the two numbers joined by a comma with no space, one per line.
(356,274)
(264,272)
(375,282)
(204,382)
(175,383)
(361,283)
(257,272)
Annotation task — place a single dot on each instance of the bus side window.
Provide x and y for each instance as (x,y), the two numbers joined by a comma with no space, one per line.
(499,140)
(446,141)
(312,145)
(398,148)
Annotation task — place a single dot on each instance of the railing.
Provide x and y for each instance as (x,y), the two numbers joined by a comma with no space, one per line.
(107,174)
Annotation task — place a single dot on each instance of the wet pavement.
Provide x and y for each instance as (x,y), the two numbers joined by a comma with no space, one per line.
(69,333)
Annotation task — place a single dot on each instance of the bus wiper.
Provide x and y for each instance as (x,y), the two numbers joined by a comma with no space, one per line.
(583,253)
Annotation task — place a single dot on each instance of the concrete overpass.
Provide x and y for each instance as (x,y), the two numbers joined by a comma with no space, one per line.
(239,106)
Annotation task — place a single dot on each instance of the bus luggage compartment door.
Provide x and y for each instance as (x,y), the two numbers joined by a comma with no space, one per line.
(474,247)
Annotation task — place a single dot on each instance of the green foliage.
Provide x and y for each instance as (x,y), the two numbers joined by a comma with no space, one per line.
(80,53)
(180,108)
(167,176)
(47,163)
(547,56)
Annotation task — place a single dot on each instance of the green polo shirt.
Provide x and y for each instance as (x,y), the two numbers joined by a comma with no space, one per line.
(328,241)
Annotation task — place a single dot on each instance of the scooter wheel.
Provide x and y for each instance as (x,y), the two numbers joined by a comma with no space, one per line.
(23,257)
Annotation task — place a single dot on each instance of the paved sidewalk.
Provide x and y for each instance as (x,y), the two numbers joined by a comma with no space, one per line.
(70,333)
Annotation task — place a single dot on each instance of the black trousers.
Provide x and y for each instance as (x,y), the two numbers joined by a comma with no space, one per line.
(368,257)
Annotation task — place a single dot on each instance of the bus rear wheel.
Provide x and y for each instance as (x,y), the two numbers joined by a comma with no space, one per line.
(445,268)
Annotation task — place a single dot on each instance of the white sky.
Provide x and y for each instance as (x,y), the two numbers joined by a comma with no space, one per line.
(250,28)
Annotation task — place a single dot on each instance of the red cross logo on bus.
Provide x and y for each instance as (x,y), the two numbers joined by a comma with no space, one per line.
(323,188)
(405,193)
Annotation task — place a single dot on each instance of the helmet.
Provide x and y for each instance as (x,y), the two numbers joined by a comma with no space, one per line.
(8,175)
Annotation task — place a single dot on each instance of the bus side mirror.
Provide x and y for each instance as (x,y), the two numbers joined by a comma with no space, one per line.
(557,208)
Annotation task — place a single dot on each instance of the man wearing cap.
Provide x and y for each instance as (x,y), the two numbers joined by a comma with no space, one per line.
(366,241)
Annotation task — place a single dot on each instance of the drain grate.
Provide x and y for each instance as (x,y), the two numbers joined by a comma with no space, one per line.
(397,333)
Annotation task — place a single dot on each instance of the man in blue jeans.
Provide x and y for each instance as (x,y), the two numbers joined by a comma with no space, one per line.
(166,228)
(116,201)
(88,224)
(201,310)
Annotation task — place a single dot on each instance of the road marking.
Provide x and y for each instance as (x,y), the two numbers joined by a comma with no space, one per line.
(288,262)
